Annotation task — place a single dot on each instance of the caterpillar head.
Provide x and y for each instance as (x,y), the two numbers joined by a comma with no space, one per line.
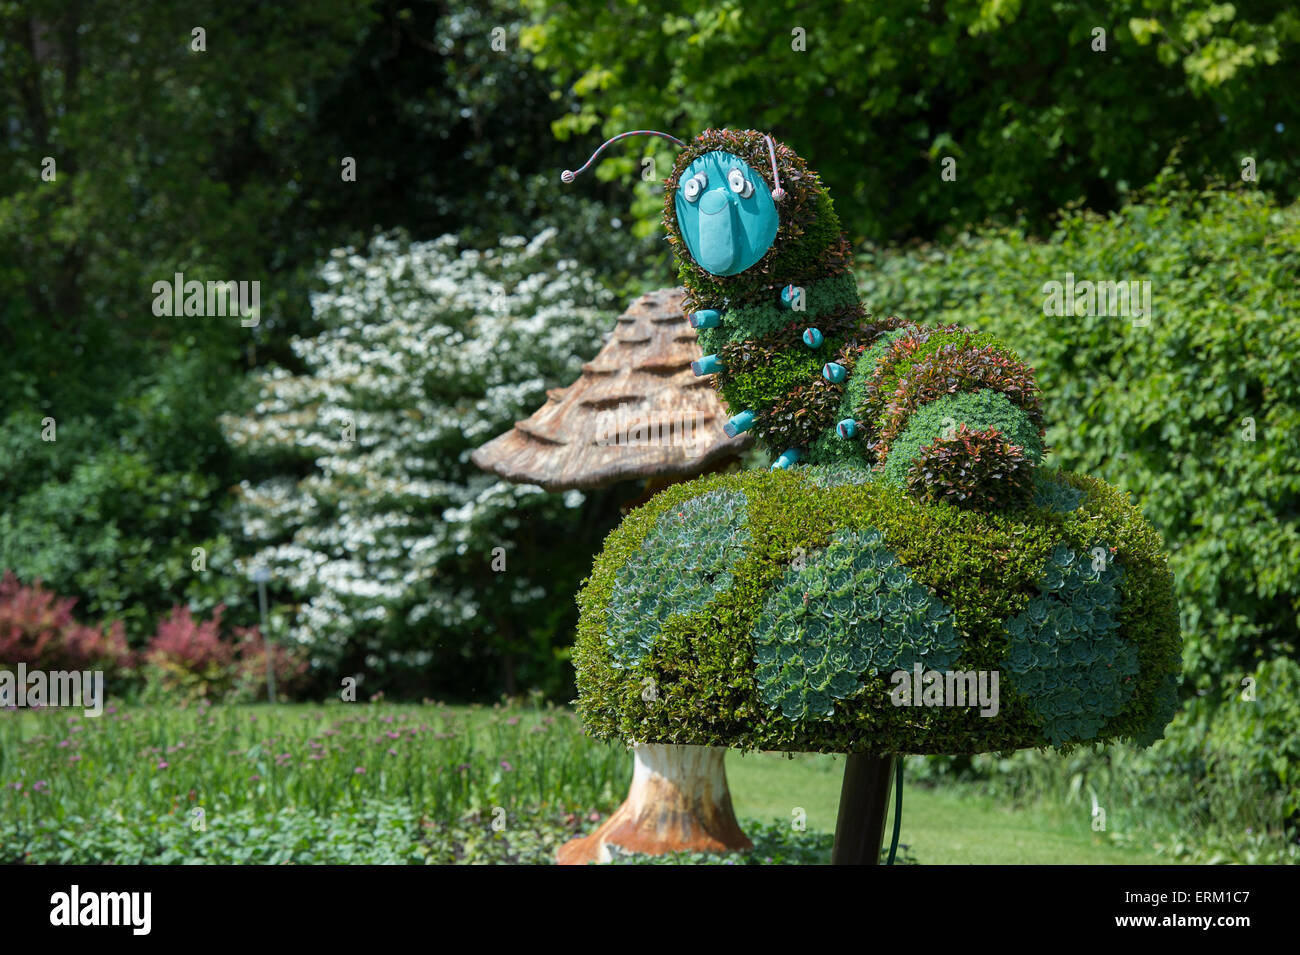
(743,214)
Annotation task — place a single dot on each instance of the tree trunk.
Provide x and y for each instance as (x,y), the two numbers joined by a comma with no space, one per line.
(678,802)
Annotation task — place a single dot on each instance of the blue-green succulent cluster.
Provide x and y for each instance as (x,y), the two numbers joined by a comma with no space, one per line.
(849,610)
(1065,650)
(1052,494)
(685,562)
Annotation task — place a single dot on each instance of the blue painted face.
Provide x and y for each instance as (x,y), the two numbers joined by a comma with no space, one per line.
(725,212)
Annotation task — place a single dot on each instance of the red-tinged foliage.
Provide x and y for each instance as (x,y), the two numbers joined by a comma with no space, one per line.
(189,657)
(193,644)
(37,629)
(974,469)
(289,667)
(953,369)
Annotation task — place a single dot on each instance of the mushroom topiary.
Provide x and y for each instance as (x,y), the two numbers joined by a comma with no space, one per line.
(908,578)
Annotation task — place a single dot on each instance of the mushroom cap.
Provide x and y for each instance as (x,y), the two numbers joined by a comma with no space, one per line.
(803,610)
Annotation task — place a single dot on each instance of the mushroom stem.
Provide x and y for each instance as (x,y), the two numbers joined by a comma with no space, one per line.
(678,802)
(864,803)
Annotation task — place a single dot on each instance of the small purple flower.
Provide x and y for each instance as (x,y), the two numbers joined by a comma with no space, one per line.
(392,752)
(505,764)
(359,770)
(40,786)
(74,758)
(463,768)
(162,764)
(513,721)
(64,743)
(254,778)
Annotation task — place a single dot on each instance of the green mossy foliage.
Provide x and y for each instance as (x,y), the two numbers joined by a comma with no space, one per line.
(786,371)
(985,567)
(847,611)
(830,448)
(745,321)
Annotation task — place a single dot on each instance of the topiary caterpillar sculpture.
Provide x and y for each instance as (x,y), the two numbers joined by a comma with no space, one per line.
(906,579)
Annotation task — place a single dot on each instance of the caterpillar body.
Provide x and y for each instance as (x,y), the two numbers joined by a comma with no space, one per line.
(796,359)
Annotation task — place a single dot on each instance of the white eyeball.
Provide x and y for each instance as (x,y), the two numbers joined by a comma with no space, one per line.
(739,184)
(694,186)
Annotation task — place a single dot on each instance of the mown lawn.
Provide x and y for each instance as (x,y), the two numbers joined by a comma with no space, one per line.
(402,783)
(945,825)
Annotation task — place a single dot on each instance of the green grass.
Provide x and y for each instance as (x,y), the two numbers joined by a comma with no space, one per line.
(952,824)
(391,783)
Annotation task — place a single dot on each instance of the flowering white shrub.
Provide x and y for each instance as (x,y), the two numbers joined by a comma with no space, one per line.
(367,510)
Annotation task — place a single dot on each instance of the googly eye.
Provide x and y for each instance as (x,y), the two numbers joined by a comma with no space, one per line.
(739,184)
(694,186)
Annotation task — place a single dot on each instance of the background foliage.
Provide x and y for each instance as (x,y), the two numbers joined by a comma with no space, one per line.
(1013,91)
(380,532)
(1160,409)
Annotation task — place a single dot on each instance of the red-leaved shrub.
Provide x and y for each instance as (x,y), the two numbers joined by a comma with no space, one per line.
(37,628)
(189,657)
(289,667)
(972,469)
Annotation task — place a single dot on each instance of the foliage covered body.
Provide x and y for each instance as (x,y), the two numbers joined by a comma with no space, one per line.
(789,640)
(805,610)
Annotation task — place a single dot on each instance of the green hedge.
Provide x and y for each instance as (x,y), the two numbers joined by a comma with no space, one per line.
(1159,410)
(833,579)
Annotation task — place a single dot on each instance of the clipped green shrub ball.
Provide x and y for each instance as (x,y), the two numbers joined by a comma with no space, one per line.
(811,603)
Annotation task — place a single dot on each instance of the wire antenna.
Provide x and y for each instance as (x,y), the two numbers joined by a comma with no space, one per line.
(569,175)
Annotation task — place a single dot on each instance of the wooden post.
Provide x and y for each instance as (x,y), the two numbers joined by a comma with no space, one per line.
(864,803)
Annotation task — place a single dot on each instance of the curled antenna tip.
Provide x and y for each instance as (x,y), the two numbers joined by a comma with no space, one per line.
(778,193)
(566,176)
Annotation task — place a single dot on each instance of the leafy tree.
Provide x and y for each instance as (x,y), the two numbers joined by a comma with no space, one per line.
(172,150)
(219,155)
(379,531)
(880,93)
